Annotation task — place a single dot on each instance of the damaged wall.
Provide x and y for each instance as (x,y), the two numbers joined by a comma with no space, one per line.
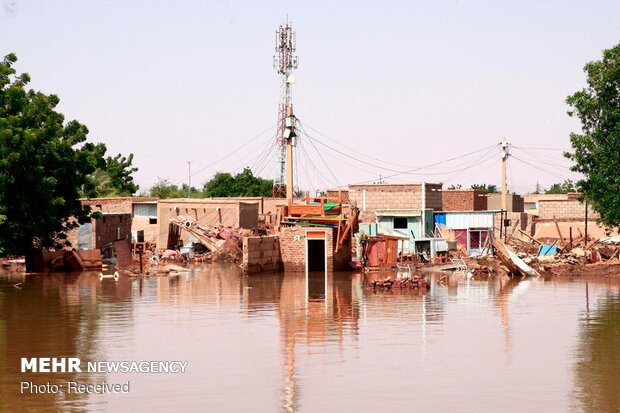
(205,212)
(111,227)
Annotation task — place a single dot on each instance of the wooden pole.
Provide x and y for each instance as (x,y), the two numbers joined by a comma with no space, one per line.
(586,228)
(557,226)
(504,155)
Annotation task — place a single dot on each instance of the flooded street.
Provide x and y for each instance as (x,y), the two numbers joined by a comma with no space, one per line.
(274,343)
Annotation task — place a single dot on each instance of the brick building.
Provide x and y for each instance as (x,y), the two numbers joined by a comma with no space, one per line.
(370,198)
(566,209)
(514,202)
(464,200)
(206,212)
(530,201)
(118,222)
(295,242)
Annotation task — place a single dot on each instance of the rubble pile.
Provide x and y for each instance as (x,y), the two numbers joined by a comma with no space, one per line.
(222,244)
(560,257)
(388,284)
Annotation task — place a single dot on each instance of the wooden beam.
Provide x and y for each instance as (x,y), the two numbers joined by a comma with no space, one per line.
(557,226)
(514,227)
(533,239)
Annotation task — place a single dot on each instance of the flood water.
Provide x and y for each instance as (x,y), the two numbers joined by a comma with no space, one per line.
(274,343)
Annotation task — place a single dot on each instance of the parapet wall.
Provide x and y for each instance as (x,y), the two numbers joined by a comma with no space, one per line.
(564,210)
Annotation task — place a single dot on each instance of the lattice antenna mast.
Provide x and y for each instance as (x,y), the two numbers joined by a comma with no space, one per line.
(284,62)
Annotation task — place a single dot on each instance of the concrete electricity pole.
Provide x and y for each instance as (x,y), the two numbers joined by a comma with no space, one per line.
(189,178)
(504,155)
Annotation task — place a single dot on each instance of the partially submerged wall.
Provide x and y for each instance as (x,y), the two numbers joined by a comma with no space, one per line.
(293,249)
(261,254)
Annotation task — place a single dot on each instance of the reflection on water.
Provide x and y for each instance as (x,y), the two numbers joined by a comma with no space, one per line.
(598,356)
(283,343)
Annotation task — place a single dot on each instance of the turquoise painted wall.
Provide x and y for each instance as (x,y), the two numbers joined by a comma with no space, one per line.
(413,224)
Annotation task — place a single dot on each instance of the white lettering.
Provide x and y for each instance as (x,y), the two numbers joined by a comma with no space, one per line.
(29,365)
(74,365)
(44,365)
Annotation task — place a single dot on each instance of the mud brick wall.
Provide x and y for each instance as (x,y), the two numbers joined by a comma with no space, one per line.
(293,249)
(388,196)
(564,210)
(205,212)
(525,224)
(110,228)
(434,199)
(248,215)
(143,224)
(367,217)
(261,254)
(110,205)
(464,200)
(514,202)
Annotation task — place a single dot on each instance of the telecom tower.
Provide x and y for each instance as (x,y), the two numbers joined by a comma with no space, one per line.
(284,62)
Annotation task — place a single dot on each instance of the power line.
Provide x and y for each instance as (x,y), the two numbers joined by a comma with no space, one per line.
(540,169)
(321,157)
(228,155)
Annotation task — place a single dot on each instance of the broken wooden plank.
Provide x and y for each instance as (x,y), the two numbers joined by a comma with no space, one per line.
(557,226)
(530,237)
(511,261)
(514,227)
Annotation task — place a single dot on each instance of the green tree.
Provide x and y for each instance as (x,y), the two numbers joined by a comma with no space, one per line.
(484,187)
(113,176)
(223,184)
(596,150)
(44,162)
(561,188)
(457,186)
(164,189)
(120,170)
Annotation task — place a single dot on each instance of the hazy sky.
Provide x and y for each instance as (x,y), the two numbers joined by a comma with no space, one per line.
(397,84)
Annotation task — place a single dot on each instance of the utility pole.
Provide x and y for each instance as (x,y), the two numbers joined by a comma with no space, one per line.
(189,178)
(284,62)
(504,155)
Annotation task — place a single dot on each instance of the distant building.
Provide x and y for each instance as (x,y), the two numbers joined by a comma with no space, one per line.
(514,202)
(204,211)
(464,200)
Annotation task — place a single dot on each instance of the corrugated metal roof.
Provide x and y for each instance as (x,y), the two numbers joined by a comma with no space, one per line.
(473,219)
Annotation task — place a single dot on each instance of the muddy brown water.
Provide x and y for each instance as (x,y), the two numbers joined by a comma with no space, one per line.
(274,343)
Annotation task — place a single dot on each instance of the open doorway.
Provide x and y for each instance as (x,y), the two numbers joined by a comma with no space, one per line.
(316,265)
(315,259)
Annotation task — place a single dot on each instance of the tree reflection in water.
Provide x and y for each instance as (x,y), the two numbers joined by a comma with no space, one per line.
(597,371)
